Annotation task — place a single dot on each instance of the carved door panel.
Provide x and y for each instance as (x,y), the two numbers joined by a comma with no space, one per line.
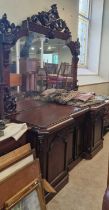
(56,156)
(98,127)
(78,136)
(70,147)
(78,142)
(93,141)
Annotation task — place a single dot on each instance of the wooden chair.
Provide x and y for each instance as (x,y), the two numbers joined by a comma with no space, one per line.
(57,80)
(51,68)
(64,79)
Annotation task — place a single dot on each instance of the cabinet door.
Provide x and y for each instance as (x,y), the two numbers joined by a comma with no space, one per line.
(70,147)
(78,141)
(79,136)
(93,141)
(98,129)
(56,155)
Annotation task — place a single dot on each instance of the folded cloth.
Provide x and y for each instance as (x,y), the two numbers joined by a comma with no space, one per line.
(14,130)
(84,96)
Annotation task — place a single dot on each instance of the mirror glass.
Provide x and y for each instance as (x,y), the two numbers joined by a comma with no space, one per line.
(34,52)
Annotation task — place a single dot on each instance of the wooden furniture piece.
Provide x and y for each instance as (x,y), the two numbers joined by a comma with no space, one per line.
(51,68)
(61,134)
(10,144)
(46,23)
(50,132)
(24,181)
(61,79)
(93,141)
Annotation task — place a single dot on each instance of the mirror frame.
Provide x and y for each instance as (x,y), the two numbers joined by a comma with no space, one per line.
(46,23)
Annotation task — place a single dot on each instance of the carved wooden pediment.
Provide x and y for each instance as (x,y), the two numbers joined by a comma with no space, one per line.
(48,23)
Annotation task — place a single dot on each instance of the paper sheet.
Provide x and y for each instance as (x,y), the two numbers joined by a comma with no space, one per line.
(14,130)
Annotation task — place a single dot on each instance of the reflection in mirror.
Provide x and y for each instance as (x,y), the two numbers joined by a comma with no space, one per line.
(34,59)
(52,26)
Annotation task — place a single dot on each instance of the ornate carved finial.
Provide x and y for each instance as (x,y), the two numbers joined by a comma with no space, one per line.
(8,37)
(8,30)
(74,47)
(4,24)
(50,20)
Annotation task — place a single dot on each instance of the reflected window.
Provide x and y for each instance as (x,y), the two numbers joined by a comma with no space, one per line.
(50,58)
(83,28)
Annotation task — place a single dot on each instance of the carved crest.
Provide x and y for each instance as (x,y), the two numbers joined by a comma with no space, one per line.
(50,20)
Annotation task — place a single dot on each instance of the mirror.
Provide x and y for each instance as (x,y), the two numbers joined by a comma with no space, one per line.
(51,26)
(34,52)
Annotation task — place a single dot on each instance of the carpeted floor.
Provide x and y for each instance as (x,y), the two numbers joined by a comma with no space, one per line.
(87,183)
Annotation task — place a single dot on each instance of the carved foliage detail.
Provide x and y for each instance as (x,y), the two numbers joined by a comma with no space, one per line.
(74,47)
(50,20)
(9,30)
(6,53)
(9,101)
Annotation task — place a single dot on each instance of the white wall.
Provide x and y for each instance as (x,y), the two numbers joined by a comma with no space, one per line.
(95,35)
(104,57)
(99,89)
(18,10)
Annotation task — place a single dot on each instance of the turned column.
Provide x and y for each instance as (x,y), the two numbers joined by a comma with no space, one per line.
(4,72)
(75,51)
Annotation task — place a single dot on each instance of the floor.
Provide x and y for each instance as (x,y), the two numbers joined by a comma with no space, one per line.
(87,183)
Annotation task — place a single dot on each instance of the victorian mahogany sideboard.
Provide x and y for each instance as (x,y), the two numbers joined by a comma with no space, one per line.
(62,135)
(56,132)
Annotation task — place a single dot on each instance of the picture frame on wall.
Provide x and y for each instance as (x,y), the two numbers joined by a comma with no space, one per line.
(31,198)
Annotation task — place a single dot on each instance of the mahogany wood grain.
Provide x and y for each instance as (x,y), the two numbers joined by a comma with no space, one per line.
(44,115)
